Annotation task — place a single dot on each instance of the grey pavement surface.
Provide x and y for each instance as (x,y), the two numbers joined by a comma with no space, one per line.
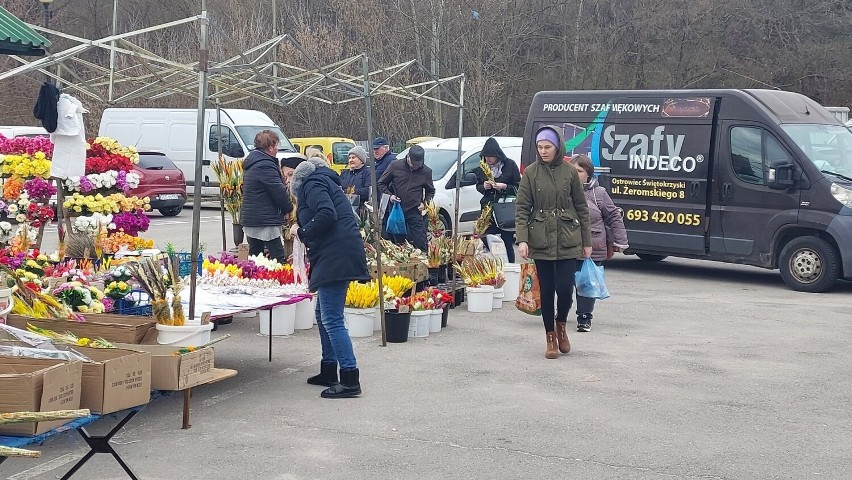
(693,370)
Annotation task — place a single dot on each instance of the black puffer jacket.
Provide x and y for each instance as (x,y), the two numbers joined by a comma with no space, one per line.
(510,175)
(328,226)
(265,198)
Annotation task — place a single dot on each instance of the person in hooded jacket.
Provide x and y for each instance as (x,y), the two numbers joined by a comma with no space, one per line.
(552,228)
(266,201)
(329,230)
(604,217)
(356,178)
(507,178)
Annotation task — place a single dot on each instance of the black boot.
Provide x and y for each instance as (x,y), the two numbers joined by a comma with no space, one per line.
(327,376)
(349,386)
(584,322)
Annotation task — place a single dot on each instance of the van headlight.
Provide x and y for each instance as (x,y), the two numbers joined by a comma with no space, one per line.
(842,194)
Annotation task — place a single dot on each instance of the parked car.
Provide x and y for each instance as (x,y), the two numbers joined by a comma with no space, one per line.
(442,157)
(336,149)
(21,131)
(161,181)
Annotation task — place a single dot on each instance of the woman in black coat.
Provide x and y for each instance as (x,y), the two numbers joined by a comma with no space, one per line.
(507,178)
(265,199)
(328,228)
(355,180)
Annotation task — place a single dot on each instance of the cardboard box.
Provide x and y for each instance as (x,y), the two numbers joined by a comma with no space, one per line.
(177,372)
(111,327)
(415,271)
(116,379)
(33,385)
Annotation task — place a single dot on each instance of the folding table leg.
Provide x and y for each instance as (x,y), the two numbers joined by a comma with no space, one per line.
(100,444)
(270,334)
(187,394)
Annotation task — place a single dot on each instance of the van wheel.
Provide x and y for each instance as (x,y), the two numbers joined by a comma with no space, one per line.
(171,211)
(651,258)
(809,264)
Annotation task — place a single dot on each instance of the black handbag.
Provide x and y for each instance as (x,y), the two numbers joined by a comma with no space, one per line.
(503,213)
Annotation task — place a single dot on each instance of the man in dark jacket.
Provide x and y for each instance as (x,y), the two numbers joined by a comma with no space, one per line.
(506,179)
(328,228)
(265,199)
(409,182)
(383,155)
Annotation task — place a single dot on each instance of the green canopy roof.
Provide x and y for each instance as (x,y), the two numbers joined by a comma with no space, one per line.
(17,38)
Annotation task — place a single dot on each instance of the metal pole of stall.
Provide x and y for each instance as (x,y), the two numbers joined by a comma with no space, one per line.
(219,150)
(112,51)
(377,199)
(199,155)
(458,180)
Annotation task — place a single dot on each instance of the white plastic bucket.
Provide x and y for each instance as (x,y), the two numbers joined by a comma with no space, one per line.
(480,299)
(497,300)
(305,312)
(512,272)
(419,326)
(377,321)
(359,321)
(192,334)
(306,317)
(283,320)
(6,303)
(435,321)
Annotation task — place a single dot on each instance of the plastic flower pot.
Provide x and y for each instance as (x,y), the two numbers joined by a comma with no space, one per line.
(434,276)
(435,321)
(419,325)
(445,315)
(396,326)
(442,274)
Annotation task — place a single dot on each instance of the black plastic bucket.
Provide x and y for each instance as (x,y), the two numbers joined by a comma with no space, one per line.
(444,316)
(396,326)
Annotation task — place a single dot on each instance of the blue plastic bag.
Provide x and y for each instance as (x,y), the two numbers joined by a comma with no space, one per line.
(396,221)
(590,281)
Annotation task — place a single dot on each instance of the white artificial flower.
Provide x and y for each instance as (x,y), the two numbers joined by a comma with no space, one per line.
(21,218)
(12,209)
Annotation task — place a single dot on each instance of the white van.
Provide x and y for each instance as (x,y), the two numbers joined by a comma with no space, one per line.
(173,132)
(21,131)
(442,156)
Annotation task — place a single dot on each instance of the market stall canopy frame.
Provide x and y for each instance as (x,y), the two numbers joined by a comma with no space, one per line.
(17,38)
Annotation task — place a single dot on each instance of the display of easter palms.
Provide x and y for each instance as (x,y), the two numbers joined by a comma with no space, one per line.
(230,175)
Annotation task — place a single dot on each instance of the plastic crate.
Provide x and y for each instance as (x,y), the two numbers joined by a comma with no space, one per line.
(136,303)
(185,265)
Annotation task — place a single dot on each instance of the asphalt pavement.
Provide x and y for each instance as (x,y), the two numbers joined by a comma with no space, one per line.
(692,370)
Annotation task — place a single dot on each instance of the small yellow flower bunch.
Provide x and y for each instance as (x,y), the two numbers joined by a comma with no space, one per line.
(362,295)
(92,203)
(112,146)
(129,204)
(27,166)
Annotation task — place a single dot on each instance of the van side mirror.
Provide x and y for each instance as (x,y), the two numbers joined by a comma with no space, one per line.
(469,179)
(235,150)
(780,175)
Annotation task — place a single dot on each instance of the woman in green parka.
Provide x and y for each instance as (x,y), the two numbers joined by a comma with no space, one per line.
(552,228)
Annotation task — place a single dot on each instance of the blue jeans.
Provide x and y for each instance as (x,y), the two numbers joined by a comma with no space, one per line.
(336,344)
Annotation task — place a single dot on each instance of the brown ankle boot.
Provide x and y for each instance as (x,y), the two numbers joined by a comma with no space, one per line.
(552,343)
(562,337)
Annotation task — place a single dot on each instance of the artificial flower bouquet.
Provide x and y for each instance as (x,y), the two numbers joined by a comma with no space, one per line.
(80,297)
(362,295)
(230,175)
(112,180)
(422,301)
(441,298)
(485,270)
